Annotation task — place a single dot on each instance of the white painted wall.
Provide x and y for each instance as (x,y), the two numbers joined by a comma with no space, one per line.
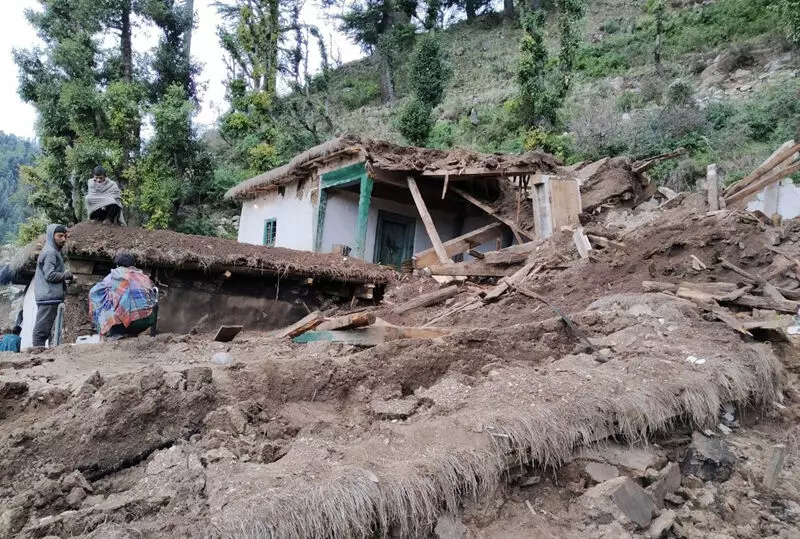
(28,317)
(295,213)
(783,199)
(341,216)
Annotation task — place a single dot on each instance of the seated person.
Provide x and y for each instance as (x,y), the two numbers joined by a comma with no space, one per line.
(11,342)
(104,199)
(122,304)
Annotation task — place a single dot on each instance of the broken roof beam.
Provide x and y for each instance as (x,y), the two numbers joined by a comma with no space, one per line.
(784,152)
(518,232)
(478,268)
(459,245)
(455,174)
(433,234)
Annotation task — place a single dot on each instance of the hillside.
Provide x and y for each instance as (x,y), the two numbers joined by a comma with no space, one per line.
(728,90)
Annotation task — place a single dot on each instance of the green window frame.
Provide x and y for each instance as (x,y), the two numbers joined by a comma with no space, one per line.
(270,232)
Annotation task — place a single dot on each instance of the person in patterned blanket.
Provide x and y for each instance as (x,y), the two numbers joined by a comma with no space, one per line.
(122,304)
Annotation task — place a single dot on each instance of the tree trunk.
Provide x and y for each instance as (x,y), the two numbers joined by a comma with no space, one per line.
(508,9)
(387,80)
(470,7)
(127,45)
(187,42)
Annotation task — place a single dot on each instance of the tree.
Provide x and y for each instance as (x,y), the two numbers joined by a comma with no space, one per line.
(790,13)
(429,74)
(14,153)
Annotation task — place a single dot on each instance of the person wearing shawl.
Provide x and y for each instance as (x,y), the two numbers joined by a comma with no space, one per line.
(104,200)
(122,304)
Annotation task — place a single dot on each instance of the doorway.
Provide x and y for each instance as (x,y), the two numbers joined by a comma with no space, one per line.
(394,239)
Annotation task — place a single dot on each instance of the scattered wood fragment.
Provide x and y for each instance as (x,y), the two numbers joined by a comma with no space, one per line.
(459,245)
(779,173)
(771,291)
(757,302)
(712,187)
(518,232)
(475,254)
(477,268)
(657,286)
(697,264)
(715,289)
(775,466)
(227,333)
(774,323)
(426,300)
(581,242)
(350,321)
(372,335)
(508,282)
(305,324)
(607,243)
(433,234)
(667,193)
(694,295)
(510,255)
(646,164)
(734,295)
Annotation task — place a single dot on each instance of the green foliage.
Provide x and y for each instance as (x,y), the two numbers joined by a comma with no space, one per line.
(719,114)
(14,153)
(537,101)
(679,93)
(597,62)
(611,26)
(442,136)
(789,11)
(429,72)
(415,121)
(32,229)
(629,100)
(772,115)
(559,145)
(358,92)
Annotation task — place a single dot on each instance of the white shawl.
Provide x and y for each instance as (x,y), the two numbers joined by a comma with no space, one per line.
(102,194)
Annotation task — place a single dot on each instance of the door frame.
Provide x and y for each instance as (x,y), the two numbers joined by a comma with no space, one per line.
(408,241)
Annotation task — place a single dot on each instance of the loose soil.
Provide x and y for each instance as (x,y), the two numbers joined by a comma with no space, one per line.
(486,425)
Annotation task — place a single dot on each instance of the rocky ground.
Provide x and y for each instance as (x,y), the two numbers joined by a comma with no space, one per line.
(509,427)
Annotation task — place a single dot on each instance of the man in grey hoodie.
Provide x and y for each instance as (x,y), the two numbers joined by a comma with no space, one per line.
(50,283)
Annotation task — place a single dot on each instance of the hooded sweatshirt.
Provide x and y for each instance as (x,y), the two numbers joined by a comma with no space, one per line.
(49,282)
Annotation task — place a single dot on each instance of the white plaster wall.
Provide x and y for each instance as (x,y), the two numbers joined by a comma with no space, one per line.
(295,214)
(788,200)
(341,216)
(28,317)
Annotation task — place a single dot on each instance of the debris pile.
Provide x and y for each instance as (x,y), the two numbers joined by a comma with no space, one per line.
(643,385)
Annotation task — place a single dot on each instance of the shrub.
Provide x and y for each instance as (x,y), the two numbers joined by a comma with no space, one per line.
(679,93)
(31,229)
(652,90)
(719,113)
(629,100)
(559,145)
(442,136)
(358,93)
(611,26)
(428,70)
(595,62)
(415,122)
(772,115)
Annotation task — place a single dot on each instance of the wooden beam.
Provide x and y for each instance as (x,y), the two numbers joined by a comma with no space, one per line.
(510,255)
(785,151)
(712,187)
(459,245)
(309,322)
(364,199)
(514,280)
(472,172)
(426,300)
(646,164)
(372,335)
(775,176)
(441,253)
(774,466)
(350,321)
(757,302)
(508,222)
(658,286)
(469,269)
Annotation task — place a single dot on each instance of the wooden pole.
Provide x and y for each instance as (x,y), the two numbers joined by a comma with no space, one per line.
(712,185)
(774,466)
(428,222)
(518,232)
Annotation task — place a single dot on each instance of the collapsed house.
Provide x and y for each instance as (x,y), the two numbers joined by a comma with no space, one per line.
(384,203)
(203,282)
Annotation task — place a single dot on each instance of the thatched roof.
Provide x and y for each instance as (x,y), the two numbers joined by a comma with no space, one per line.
(169,249)
(382,155)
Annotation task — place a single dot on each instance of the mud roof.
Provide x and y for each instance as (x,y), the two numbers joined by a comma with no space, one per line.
(392,158)
(169,249)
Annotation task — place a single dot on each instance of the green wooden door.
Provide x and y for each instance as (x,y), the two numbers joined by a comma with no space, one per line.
(394,239)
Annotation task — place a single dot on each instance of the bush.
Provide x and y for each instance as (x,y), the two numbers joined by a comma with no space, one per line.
(652,90)
(595,62)
(679,93)
(442,136)
(559,145)
(31,229)
(415,122)
(772,115)
(358,93)
(629,100)
(718,114)
(610,26)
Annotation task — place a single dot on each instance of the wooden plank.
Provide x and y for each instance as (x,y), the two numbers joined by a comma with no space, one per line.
(350,321)
(565,202)
(459,245)
(606,243)
(307,323)
(508,222)
(581,242)
(227,333)
(513,280)
(469,269)
(712,187)
(657,286)
(428,222)
(471,172)
(774,466)
(785,151)
(715,289)
(426,300)
(510,255)
(757,302)
(770,178)
(769,289)
(694,295)
(475,254)
(372,335)
(364,199)
(646,164)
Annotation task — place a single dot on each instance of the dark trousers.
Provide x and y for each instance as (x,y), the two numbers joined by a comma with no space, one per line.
(43,328)
(110,212)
